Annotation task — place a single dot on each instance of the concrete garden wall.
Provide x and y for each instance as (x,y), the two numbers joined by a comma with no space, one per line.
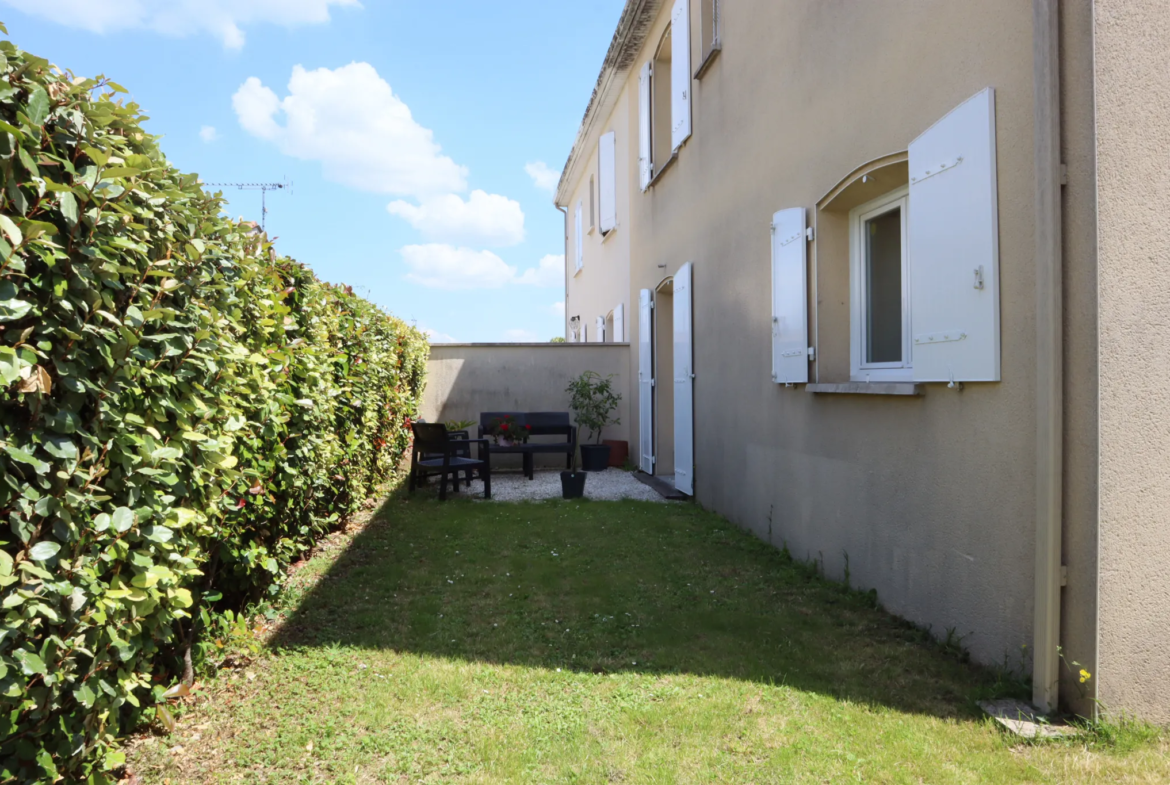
(466,379)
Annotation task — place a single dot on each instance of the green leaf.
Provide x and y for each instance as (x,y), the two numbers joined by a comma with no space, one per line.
(85,696)
(101,522)
(17,454)
(61,448)
(44,550)
(69,208)
(123,519)
(5,563)
(156,533)
(30,663)
(11,310)
(116,172)
(38,105)
(11,230)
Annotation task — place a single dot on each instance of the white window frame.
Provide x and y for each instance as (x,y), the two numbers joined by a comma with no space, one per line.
(861,371)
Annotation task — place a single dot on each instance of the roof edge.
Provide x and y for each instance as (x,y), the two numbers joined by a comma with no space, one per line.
(634,25)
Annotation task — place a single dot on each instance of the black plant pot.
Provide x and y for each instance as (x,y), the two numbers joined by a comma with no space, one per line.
(573,484)
(594,457)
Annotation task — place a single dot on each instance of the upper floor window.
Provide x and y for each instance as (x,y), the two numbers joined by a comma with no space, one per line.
(664,97)
(708,34)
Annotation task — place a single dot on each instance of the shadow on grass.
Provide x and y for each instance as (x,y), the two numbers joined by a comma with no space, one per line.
(603,587)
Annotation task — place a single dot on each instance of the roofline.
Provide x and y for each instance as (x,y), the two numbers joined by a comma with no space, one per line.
(632,29)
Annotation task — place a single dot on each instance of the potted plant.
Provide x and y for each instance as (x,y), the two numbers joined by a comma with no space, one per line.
(573,482)
(506,431)
(593,401)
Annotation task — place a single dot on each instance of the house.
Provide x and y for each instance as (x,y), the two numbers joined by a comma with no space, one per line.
(894,278)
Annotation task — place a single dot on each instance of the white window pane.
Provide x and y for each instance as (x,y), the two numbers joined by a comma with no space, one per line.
(883,295)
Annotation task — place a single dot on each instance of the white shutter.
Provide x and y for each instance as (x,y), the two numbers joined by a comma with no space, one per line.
(580,242)
(584,333)
(619,323)
(789,298)
(680,73)
(645,384)
(953,228)
(601,329)
(607,181)
(645,157)
(684,384)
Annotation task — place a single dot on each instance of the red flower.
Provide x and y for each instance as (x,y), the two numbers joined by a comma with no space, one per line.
(242,503)
(528,427)
(503,426)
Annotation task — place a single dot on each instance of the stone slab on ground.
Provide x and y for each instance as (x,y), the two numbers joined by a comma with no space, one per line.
(609,485)
(1024,720)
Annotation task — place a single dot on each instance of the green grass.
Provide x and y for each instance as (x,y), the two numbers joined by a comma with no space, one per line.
(594,643)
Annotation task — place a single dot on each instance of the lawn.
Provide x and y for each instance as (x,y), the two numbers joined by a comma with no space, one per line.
(598,642)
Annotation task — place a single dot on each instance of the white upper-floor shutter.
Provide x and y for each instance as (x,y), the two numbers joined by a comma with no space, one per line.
(601,329)
(789,297)
(680,73)
(953,246)
(579,241)
(645,382)
(645,157)
(607,180)
(619,323)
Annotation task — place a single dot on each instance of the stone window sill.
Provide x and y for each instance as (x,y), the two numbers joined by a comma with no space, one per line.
(868,388)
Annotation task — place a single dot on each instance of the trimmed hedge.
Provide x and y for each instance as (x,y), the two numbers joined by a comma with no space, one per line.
(182,413)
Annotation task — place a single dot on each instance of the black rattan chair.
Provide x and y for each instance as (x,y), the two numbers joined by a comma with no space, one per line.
(435,452)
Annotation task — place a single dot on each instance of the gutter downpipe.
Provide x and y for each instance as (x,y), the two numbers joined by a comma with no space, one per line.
(1049,355)
(565,212)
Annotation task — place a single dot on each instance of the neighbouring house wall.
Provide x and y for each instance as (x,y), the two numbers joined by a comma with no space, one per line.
(931,498)
(466,379)
(1132,64)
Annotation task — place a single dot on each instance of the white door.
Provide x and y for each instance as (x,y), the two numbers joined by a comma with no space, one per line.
(684,384)
(645,384)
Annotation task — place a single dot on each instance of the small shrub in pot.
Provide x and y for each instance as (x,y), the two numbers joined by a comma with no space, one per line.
(593,401)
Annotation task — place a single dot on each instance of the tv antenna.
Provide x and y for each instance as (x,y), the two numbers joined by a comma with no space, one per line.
(263,188)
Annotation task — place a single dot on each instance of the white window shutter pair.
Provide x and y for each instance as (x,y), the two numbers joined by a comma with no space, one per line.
(607,180)
(579,242)
(953,247)
(680,73)
(789,297)
(619,323)
(601,329)
(645,156)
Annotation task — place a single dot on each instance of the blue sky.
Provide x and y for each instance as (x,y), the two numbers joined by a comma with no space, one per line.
(414,132)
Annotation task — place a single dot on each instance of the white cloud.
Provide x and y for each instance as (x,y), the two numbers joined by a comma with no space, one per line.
(542,177)
(446,267)
(484,219)
(208,133)
(549,272)
(221,18)
(557,309)
(439,266)
(434,336)
(350,121)
(522,336)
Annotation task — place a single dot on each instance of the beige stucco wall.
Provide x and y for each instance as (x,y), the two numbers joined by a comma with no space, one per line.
(604,280)
(466,379)
(932,498)
(1132,65)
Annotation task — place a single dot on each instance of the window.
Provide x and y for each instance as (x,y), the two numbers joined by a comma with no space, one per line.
(580,245)
(879,280)
(592,219)
(660,78)
(607,181)
(708,33)
(601,335)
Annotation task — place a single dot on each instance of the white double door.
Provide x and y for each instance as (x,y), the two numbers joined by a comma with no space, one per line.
(683,382)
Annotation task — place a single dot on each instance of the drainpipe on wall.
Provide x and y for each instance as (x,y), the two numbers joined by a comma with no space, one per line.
(1049,356)
(565,213)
